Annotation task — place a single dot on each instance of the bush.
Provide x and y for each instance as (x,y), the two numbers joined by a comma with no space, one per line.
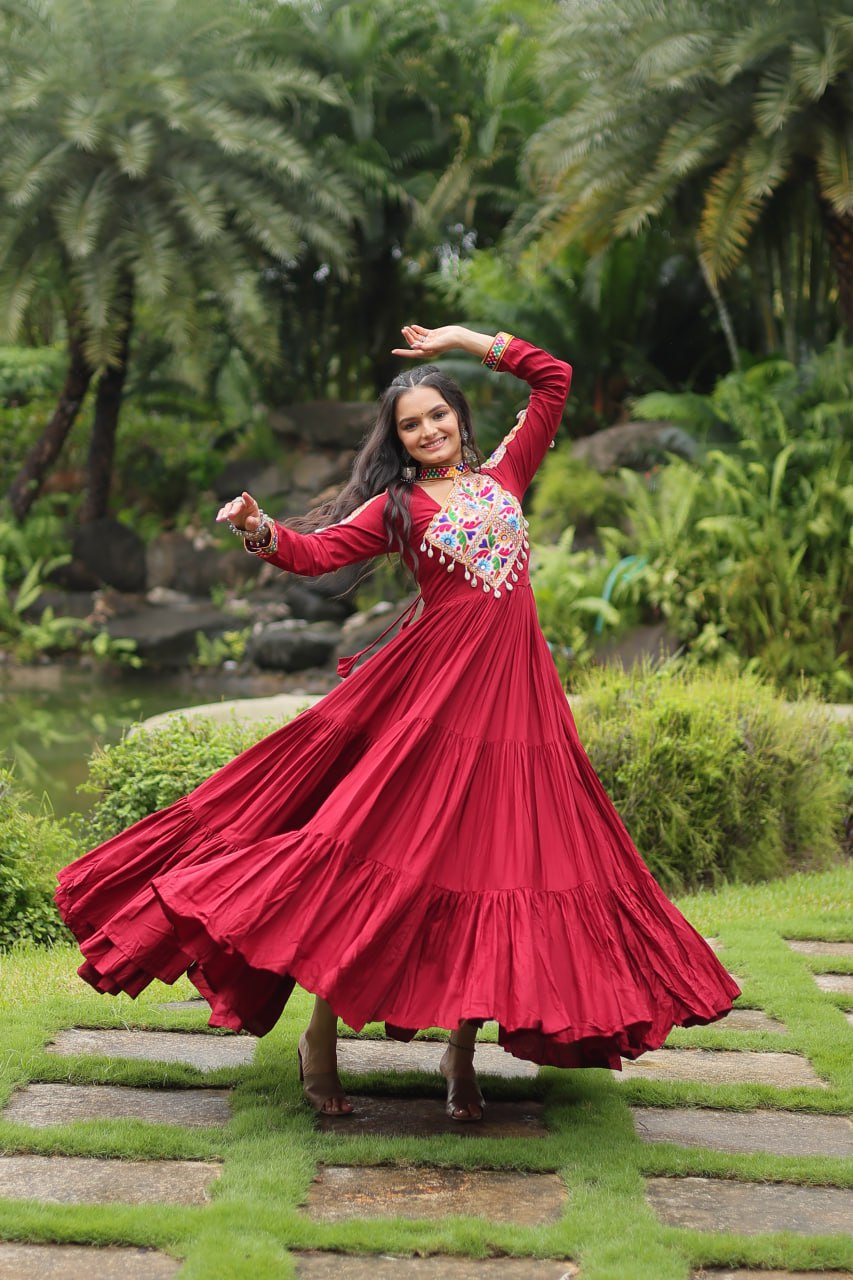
(30,371)
(33,847)
(715,777)
(571,492)
(150,769)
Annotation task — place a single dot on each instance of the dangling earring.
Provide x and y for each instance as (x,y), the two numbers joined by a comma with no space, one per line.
(410,471)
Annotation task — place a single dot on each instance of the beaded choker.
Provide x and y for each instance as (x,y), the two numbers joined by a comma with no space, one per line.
(443,473)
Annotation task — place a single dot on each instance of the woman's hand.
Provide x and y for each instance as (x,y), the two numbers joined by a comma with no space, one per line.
(426,344)
(243,512)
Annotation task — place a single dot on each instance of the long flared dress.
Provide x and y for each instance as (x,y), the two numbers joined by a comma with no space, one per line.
(429,843)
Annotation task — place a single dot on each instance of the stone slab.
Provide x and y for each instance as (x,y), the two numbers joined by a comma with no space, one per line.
(80,1180)
(814,947)
(740,1274)
(750,1208)
(358,1057)
(197,1049)
(425,1117)
(196,1005)
(781,1133)
(41,1105)
(840,982)
(750,1020)
(723,1066)
(336,1266)
(82,1262)
(525,1199)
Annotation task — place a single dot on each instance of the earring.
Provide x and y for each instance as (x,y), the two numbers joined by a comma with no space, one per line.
(409,472)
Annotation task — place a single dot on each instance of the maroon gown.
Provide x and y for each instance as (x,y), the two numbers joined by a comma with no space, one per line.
(429,843)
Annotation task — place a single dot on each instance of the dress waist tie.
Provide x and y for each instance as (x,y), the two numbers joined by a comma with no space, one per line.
(345,665)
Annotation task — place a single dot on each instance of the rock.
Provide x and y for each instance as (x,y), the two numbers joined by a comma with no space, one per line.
(113,552)
(264,480)
(167,637)
(173,561)
(308,604)
(634,444)
(324,422)
(362,629)
(315,472)
(283,646)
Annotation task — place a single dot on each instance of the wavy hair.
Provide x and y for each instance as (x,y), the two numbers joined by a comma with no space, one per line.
(380,460)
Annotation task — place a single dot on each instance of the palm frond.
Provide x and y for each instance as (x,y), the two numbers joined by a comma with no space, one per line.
(81,210)
(835,164)
(727,218)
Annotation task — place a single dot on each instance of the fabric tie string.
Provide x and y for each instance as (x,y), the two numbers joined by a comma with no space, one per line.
(345,665)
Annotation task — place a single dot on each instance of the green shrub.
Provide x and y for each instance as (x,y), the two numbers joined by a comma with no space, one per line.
(715,777)
(33,847)
(152,768)
(571,492)
(568,587)
(30,371)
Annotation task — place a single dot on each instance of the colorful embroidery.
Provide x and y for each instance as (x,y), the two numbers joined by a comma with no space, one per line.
(494,355)
(497,456)
(481,528)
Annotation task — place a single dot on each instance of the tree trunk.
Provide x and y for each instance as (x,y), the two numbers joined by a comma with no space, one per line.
(27,485)
(107,409)
(839,229)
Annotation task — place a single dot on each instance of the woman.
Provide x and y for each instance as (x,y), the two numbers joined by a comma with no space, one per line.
(429,845)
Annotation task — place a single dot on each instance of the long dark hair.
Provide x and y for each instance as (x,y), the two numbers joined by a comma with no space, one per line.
(379,462)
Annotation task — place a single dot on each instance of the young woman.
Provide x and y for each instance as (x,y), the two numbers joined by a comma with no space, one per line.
(429,845)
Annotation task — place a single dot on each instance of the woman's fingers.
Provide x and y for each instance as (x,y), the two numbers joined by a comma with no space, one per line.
(242,511)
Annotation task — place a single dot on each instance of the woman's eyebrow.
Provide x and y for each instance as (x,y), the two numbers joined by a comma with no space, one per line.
(440,405)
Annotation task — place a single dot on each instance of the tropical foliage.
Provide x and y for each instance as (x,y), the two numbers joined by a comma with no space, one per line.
(735,115)
(144,168)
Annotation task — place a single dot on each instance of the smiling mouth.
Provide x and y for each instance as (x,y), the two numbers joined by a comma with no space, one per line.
(434,444)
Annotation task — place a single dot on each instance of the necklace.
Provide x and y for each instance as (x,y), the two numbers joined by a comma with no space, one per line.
(443,473)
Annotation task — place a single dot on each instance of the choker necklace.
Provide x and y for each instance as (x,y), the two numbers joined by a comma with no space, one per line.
(443,473)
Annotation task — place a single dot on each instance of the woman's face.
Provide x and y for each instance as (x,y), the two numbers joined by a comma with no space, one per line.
(428,427)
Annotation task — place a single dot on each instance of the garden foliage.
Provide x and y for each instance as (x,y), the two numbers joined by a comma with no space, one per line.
(715,777)
(150,769)
(33,846)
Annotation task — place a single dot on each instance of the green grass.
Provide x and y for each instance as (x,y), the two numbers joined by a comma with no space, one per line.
(271,1150)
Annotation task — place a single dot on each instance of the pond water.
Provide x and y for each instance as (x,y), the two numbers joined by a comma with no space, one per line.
(52,718)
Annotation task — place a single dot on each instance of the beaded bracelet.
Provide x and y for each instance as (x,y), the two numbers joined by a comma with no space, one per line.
(263,522)
(264,549)
(494,355)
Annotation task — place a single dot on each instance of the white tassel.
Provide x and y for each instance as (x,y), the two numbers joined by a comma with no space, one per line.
(429,553)
(508,586)
(441,559)
(423,546)
(486,587)
(467,576)
(497,594)
(451,566)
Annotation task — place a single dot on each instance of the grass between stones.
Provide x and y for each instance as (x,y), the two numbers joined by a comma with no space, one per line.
(271,1150)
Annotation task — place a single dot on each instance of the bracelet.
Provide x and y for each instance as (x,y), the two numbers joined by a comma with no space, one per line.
(495,353)
(252,542)
(263,521)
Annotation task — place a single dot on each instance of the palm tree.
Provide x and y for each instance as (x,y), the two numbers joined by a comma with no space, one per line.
(740,115)
(435,104)
(151,158)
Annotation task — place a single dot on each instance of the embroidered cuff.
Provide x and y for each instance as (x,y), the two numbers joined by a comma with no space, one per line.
(494,355)
(270,548)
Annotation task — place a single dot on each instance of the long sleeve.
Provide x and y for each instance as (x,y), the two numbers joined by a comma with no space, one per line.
(518,457)
(360,536)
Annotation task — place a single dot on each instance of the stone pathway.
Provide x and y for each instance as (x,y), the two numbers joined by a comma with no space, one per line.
(347,1192)
(525,1199)
(196,1049)
(750,1208)
(82,1262)
(723,1066)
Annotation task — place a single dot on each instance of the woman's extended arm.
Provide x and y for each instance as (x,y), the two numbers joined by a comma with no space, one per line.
(360,536)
